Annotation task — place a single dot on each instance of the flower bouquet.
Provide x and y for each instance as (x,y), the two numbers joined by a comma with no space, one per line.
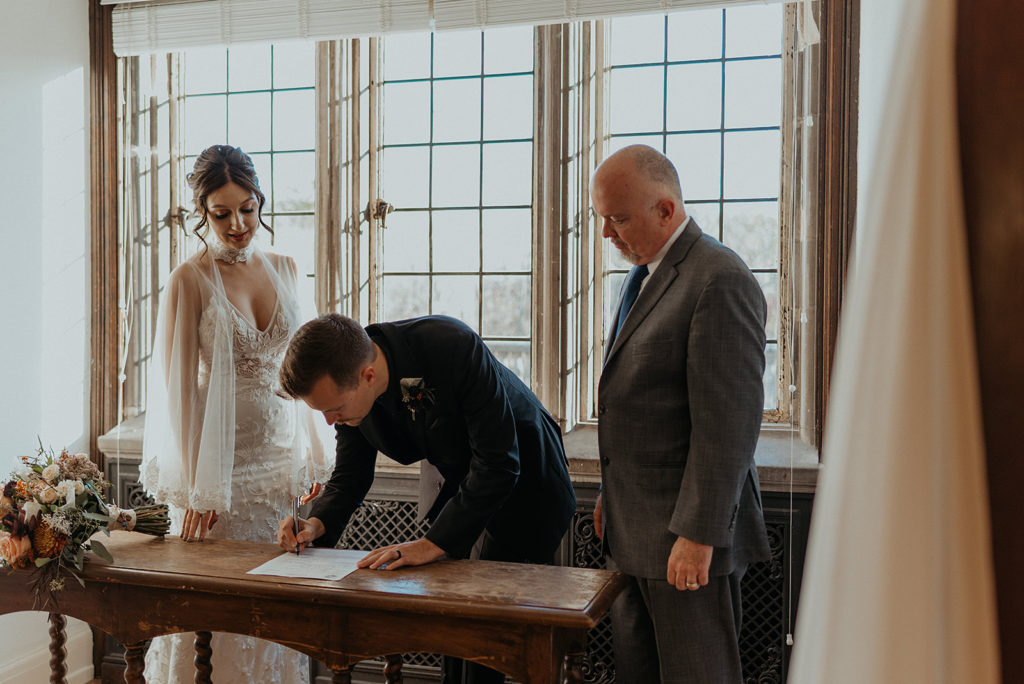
(50,509)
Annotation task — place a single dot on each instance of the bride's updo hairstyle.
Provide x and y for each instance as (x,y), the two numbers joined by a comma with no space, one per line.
(215,167)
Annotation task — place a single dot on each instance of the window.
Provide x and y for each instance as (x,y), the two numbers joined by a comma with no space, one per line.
(482,143)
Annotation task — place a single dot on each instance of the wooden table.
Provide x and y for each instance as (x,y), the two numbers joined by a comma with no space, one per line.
(528,621)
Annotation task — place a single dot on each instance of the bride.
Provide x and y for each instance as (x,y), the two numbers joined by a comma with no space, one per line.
(220,445)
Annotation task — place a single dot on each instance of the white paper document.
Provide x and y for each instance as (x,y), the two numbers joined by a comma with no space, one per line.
(312,563)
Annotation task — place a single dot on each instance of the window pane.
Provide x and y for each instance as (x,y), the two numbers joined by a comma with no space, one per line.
(294,65)
(697,157)
(752,230)
(294,120)
(456,53)
(506,306)
(753,30)
(706,215)
(753,93)
(508,50)
(457,110)
(638,40)
(695,34)
(612,285)
(507,244)
(770,286)
(249,121)
(205,123)
(704,111)
(404,297)
(508,174)
(637,95)
(514,355)
(263,173)
(508,107)
(294,181)
(456,176)
(406,110)
(751,164)
(406,55)
(405,178)
(654,140)
(296,237)
(771,376)
(456,236)
(458,297)
(405,242)
(249,67)
(206,71)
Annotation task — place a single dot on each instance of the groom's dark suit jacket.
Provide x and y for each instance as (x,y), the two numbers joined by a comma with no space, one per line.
(498,449)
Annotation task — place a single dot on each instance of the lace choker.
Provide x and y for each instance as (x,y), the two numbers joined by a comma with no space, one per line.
(229,255)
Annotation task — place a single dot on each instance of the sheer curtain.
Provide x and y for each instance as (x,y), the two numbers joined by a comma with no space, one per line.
(899,581)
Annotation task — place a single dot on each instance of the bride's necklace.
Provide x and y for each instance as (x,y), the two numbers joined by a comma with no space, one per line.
(230,255)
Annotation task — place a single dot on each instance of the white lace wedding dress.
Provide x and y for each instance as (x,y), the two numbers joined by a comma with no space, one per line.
(271,449)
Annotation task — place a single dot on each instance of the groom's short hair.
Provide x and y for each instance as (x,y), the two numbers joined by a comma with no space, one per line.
(333,345)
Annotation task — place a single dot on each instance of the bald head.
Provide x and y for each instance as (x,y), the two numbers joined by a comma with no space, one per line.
(647,167)
(636,193)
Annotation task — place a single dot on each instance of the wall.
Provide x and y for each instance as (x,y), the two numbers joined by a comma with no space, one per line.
(44,50)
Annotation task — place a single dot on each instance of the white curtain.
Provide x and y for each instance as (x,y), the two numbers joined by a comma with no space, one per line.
(144,26)
(899,583)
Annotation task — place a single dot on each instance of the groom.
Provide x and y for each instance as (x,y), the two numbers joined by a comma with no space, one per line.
(430,389)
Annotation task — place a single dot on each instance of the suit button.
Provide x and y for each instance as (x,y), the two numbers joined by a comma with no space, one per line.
(600,409)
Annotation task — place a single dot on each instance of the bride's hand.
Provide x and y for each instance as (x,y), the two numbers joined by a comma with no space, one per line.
(197,524)
(314,491)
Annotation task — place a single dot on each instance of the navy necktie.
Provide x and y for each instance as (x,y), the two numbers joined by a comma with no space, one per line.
(629,293)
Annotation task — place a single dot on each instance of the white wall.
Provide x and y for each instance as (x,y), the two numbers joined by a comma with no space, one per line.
(44,346)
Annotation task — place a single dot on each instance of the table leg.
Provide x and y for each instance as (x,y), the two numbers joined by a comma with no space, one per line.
(58,669)
(342,675)
(573,672)
(204,668)
(135,663)
(393,669)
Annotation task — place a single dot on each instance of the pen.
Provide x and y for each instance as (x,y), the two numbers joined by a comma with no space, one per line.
(295,523)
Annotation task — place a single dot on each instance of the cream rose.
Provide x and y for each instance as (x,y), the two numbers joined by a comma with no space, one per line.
(48,495)
(66,489)
(17,551)
(51,472)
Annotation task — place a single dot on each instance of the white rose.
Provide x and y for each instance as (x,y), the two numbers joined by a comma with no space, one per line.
(48,495)
(23,471)
(66,489)
(31,508)
(79,487)
(51,472)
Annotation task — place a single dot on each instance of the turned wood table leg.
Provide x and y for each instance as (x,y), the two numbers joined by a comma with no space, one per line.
(393,669)
(573,671)
(204,668)
(58,669)
(342,675)
(135,663)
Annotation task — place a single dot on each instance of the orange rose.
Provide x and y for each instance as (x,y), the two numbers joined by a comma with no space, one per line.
(17,551)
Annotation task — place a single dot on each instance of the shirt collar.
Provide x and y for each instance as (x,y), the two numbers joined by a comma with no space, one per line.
(653,264)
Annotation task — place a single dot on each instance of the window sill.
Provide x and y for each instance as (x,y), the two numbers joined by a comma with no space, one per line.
(783,460)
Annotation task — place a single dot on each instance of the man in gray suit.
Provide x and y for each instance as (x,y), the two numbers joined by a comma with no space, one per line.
(679,404)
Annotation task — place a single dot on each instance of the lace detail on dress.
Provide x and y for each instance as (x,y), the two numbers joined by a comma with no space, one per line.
(230,255)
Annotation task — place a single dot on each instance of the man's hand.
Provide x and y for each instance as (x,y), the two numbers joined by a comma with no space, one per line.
(688,564)
(419,552)
(308,531)
(598,518)
(197,524)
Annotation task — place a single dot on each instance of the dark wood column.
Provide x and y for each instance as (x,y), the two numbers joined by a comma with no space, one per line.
(990,94)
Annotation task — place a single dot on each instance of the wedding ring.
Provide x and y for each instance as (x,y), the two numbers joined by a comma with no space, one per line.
(399,552)
(693,586)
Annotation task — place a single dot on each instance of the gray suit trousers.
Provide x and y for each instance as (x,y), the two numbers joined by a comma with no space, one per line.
(662,634)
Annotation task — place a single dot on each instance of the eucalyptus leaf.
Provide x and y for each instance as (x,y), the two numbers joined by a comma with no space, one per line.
(101,551)
(40,562)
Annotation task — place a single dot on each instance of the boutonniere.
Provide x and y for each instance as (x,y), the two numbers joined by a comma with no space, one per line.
(416,396)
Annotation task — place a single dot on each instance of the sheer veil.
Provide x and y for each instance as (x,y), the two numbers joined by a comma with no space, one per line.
(189,440)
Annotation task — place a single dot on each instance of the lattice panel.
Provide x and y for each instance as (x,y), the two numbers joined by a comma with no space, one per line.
(763,631)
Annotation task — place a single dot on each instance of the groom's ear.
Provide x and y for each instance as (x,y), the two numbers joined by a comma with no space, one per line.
(368,374)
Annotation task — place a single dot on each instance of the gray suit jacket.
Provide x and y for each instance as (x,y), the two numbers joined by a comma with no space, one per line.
(679,407)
